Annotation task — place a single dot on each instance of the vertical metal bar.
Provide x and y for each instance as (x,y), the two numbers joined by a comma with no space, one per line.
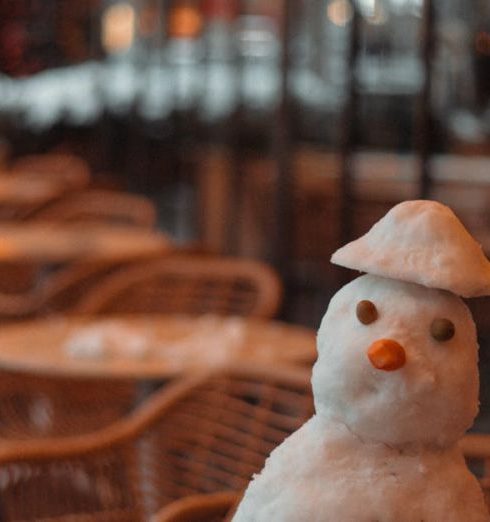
(135,167)
(185,129)
(424,117)
(236,150)
(283,145)
(100,145)
(348,137)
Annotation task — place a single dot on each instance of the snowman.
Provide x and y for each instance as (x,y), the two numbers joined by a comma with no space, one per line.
(395,385)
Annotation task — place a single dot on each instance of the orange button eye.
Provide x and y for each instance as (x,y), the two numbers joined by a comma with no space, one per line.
(387,354)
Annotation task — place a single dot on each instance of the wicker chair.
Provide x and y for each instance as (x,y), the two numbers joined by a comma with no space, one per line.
(476,448)
(100,206)
(57,293)
(203,434)
(64,288)
(64,413)
(70,171)
(18,277)
(191,285)
(215,507)
(35,407)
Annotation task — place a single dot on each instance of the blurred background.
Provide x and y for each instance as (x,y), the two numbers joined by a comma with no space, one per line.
(190,166)
(269,129)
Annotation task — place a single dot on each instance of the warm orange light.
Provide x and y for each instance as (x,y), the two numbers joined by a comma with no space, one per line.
(339,12)
(185,22)
(118,27)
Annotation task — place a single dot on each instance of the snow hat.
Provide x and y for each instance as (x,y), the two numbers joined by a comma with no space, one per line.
(421,242)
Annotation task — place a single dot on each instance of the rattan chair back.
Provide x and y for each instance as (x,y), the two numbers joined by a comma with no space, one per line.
(191,285)
(68,170)
(476,448)
(18,277)
(18,307)
(204,434)
(58,292)
(33,406)
(100,206)
(64,288)
(38,407)
(214,507)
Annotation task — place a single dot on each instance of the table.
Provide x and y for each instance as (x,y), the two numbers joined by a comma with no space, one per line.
(59,243)
(148,347)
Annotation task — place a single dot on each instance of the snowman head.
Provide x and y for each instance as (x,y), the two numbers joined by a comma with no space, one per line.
(397,362)
(397,348)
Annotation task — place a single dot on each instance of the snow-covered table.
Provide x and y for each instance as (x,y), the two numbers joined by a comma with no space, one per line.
(142,347)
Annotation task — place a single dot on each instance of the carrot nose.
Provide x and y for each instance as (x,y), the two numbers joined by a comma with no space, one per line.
(386,354)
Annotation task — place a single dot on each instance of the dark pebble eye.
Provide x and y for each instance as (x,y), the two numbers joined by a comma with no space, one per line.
(366,312)
(442,329)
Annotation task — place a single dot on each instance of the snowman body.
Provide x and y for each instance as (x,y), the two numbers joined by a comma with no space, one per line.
(383,444)
(324,473)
